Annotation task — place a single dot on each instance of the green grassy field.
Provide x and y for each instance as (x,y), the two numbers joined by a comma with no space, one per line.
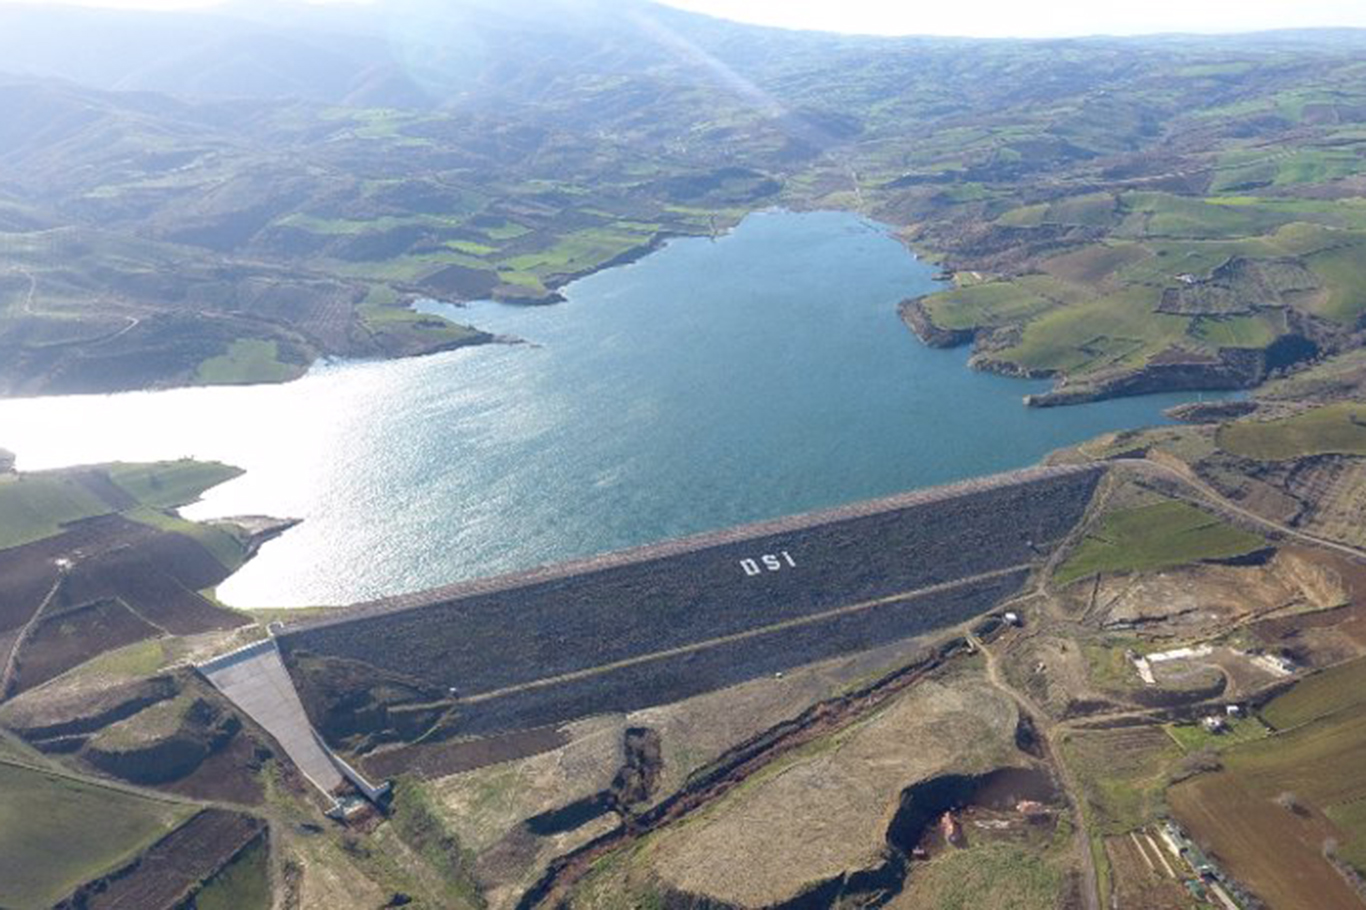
(522,256)
(1236,331)
(167,485)
(140,659)
(986,305)
(1093,264)
(1124,772)
(1316,755)
(582,250)
(248,360)
(1118,330)
(244,884)
(1351,817)
(1319,762)
(1092,209)
(57,833)
(354,227)
(1153,537)
(226,546)
(991,875)
(1025,216)
(1335,689)
(1194,737)
(170,484)
(1168,216)
(35,506)
(1343,271)
(1331,429)
(385,314)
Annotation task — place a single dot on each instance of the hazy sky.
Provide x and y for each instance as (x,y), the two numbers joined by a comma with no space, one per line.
(986,18)
(996,18)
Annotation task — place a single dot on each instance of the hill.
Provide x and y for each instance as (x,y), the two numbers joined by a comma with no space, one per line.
(249,192)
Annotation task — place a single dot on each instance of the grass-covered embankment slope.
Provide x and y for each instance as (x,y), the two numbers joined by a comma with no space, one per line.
(1334,429)
(1155,536)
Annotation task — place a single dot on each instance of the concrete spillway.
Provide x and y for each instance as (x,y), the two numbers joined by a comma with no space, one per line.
(256,681)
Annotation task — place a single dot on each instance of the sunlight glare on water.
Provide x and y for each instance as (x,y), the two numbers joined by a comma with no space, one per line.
(708,384)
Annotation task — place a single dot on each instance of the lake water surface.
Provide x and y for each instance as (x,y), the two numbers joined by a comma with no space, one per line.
(711,383)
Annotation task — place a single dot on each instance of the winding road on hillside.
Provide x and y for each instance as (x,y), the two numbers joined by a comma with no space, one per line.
(133,321)
(12,661)
(1090,888)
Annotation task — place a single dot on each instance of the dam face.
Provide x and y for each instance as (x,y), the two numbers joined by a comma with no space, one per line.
(656,624)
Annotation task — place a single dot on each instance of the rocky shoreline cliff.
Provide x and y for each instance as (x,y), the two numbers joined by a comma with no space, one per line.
(1226,369)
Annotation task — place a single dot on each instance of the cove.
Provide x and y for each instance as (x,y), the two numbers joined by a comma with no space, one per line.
(711,383)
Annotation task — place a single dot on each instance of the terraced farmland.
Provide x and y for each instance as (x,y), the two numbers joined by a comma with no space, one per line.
(91,559)
(57,832)
(1331,429)
(174,867)
(652,625)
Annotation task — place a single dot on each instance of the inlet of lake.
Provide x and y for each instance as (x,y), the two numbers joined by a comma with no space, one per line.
(714,382)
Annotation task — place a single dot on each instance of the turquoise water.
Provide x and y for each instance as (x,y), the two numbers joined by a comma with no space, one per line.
(711,383)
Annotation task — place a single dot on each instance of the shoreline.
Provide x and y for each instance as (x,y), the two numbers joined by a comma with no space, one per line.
(478,338)
(1230,372)
(1233,370)
(862,225)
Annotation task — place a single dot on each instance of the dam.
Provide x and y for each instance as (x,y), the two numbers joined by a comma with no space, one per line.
(656,624)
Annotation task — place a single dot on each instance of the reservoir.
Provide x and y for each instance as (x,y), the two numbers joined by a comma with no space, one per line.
(711,383)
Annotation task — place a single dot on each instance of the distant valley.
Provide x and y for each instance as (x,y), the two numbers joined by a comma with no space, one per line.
(1136,215)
